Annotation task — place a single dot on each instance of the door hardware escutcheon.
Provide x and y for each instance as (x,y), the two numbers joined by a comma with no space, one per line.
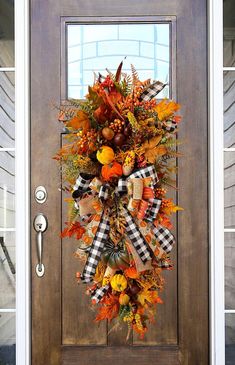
(40,194)
(40,225)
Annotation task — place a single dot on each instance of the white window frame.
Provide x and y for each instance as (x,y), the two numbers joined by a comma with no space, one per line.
(23,335)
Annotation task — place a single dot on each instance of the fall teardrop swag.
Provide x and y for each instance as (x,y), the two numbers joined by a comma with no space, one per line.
(118,162)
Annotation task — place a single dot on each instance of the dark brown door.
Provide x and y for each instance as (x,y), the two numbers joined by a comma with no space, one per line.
(63,331)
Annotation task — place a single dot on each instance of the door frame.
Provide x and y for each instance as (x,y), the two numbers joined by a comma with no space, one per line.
(215,148)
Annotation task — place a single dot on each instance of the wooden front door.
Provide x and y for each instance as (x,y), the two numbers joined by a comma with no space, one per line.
(63,331)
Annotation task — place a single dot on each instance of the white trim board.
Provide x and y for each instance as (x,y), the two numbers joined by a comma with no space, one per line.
(22,182)
(217,330)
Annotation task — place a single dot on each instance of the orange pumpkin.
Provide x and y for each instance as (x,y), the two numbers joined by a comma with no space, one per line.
(112,170)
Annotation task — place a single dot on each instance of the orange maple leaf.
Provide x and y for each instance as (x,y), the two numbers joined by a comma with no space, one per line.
(166,109)
(73,229)
(109,308)
(79,121)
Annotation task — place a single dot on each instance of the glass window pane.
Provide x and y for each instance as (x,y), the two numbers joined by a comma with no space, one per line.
(7,266)
(95,47)
(229,338)
(7,189)
(7,339)
(6,33)
(7,109)
(229,109)
(229,190)
(229,32)
(229,256)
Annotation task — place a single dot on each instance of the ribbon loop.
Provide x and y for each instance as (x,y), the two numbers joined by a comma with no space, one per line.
(148,171)
(152,90)
(153,211)
(104,192)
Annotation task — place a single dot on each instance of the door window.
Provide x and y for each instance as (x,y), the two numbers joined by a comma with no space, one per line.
(90,48)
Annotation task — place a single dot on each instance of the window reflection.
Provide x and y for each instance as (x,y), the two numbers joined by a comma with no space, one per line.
(6,33)
(94,47)
(229,339)
(7,189)
(7,110)
(7,338)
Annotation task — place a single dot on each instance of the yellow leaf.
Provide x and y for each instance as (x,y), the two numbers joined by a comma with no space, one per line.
(172,209)
(144,295)
(80,120)
(166,109)
(153,142)
(152,150)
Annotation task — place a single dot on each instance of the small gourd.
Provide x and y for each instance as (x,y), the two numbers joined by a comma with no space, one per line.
(129,163)
(105,155)
(124,299)
(118,282)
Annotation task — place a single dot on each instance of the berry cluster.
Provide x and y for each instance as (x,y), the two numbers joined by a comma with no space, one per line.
(117,125)
(86,142)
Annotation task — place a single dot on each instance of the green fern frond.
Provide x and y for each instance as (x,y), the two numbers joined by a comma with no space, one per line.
(135,76)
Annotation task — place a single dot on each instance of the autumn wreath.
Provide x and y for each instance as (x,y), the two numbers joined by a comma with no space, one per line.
(117,163)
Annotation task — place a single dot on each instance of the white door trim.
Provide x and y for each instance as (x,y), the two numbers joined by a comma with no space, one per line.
(23,335)
(217,325)
(22,133)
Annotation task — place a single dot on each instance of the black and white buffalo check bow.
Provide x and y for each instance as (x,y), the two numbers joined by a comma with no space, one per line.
(81,184)
(162,234)
(152,91)
(96,249)
(164,237)
(148,171)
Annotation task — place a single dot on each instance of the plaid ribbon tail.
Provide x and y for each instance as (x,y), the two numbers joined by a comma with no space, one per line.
(99,293)
(96,249)
(152,91)
(164,237)
(136,238)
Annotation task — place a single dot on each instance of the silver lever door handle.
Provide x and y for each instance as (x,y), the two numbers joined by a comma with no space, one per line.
(40,225)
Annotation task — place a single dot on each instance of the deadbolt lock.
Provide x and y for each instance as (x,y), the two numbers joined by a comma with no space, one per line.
(40,194)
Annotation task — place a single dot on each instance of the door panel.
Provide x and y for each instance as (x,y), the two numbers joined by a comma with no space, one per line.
(63,331)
